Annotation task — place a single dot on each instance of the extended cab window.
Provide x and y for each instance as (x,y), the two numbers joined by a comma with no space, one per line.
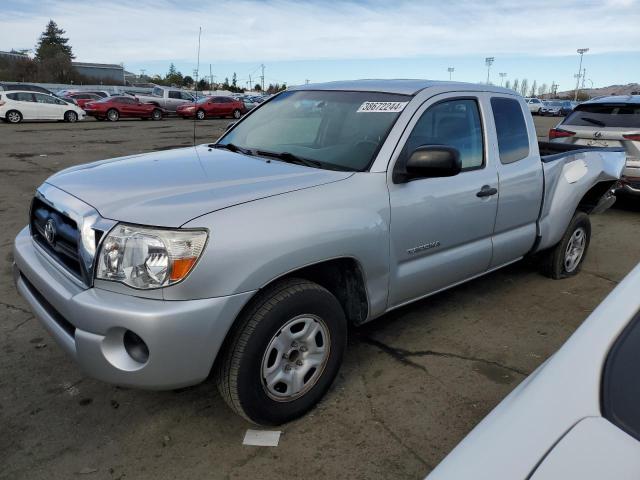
(511,128)
(455,123)
(174,94)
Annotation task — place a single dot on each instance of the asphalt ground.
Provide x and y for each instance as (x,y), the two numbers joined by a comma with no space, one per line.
(413,384)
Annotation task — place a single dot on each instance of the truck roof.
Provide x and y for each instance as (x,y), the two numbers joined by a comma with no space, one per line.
(400,86)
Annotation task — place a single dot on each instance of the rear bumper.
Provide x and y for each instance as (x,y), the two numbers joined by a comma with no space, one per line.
(183,337)
(631,178)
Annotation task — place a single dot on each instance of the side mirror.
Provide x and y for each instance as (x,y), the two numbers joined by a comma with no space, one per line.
(429,161)
(229,126)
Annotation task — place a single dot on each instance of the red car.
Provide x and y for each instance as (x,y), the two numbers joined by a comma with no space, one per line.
(212,107)
(82,98)
(114,108)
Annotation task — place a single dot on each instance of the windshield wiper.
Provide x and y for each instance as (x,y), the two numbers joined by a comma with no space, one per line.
(290,158)
(232,148)
(594,121)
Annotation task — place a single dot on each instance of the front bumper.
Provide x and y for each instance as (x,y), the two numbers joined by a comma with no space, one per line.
(183,337)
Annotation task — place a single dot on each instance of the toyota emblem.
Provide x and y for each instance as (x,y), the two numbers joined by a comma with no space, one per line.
(50,231)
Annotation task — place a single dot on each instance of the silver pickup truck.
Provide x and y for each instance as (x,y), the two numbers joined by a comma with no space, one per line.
(168,98)
(327,205)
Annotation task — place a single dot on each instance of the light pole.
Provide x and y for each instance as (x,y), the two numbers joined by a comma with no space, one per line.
(581,52)
(450,70)
(488,62)
(502,75)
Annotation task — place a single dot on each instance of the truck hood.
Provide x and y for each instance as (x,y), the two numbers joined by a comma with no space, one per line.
(169,188)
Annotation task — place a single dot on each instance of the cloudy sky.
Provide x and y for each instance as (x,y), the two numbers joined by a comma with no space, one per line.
(327,40)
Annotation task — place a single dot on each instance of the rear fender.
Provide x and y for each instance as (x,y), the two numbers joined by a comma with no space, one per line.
(568,178)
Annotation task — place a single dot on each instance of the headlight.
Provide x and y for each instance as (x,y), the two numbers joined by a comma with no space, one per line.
(148,258)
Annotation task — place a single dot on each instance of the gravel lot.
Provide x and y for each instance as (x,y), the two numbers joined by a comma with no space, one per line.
(413,384)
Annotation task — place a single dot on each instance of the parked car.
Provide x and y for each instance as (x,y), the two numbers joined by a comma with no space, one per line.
(167,98)
(249,104)
(115,108)
(208,107)
(24,87)
(607,122)
(534,104)
(557,108)
(82,98)
(66,93)
(16,106)
(255,252)
(576,417)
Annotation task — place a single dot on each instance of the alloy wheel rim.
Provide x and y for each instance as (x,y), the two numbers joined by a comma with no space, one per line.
(13,117)
(200,114)
(575,250)
(295,358)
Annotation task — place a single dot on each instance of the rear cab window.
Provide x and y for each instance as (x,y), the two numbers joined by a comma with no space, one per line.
(615,115)
(511,129)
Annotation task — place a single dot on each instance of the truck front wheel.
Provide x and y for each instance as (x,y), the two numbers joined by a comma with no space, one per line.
(284,354)
(565,259)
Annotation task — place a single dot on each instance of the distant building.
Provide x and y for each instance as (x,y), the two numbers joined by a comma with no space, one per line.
(14,56)
(101,72)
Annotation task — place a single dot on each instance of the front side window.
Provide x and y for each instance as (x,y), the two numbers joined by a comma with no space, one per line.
(41,98)
(454,123)
(511,128)
(186,96)
(334,129)
(617,115)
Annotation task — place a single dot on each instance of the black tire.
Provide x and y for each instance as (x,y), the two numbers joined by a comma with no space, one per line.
(237,114)
(556,261)
(13,116)
(156,114)
(71,117)
(200,115)
(113,115)
(239,370)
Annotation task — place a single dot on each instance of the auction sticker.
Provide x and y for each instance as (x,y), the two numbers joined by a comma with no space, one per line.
(381,107)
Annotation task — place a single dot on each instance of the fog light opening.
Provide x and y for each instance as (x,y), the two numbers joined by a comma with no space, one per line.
(135,347)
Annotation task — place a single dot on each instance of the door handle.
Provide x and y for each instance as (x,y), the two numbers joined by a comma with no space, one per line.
(486,191)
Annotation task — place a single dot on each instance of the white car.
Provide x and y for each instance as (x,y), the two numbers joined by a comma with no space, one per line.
(534,104)
(18,105)
(576,417)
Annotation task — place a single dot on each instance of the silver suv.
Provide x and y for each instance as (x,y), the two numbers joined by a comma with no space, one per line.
(612,121)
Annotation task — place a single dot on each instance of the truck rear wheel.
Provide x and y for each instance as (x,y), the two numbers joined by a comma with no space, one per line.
(565,259)
(284,354)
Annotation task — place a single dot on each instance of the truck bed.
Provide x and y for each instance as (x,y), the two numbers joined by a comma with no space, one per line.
(574,177)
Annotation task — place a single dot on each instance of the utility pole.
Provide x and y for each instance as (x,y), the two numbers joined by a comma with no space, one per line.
(554,89)
(581,52)
(210,77)
(502,75)
(262,76)
(142,70)
(488,62)
(306,82)
(450,70)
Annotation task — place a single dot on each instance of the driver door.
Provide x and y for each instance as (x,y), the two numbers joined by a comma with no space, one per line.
(441,228)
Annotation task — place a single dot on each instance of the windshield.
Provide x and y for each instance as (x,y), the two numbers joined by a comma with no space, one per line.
(203,99)
(605,115)
(339,129)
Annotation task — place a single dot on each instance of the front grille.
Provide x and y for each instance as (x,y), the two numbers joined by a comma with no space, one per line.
(63,244)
